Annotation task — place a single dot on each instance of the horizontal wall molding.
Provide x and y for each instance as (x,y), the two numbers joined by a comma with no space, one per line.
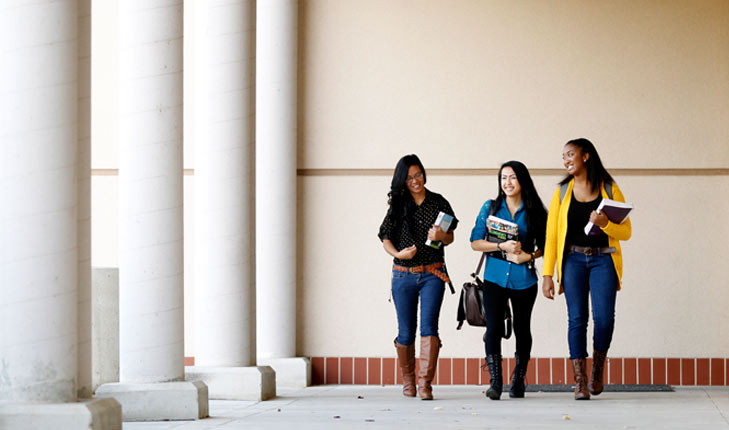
(471,172)
(543,371)
(535,172)
(115,172)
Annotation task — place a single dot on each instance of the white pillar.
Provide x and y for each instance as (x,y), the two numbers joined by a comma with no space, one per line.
(223,114)
(224,134)
(276,61)
(85,386)
(39,258)
(150,192)
(38,220)
(151,219)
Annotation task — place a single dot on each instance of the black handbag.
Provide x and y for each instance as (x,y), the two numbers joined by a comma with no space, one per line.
(470,305)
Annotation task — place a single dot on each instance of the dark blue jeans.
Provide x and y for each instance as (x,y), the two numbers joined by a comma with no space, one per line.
(407,288)
(584,278)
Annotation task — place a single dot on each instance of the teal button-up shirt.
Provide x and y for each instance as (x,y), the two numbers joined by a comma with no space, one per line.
(501,272)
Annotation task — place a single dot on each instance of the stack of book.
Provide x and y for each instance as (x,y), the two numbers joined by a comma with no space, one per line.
(500,230)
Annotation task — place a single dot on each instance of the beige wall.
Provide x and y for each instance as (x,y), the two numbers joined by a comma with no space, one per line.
(468,85)
(457,80)
(673,301)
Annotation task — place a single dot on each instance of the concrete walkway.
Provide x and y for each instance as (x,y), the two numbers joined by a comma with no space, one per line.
(463,407)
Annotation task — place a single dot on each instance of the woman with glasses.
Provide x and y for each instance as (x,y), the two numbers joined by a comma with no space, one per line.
(509,275)
(418,271)
(590,266)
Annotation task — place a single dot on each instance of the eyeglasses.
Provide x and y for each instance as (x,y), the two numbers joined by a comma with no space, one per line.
(414,178)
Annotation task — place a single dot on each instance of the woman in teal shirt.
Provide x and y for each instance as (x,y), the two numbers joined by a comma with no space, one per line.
(509,275)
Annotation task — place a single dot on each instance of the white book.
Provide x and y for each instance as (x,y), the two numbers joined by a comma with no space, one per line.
(443,220)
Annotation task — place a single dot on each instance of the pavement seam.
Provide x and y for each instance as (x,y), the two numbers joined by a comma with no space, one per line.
(717,407)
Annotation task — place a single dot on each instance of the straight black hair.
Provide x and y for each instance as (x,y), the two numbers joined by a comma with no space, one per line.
(596,172)
(535,211)
(399,198)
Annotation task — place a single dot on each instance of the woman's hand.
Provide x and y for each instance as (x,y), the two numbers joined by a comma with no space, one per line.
(436,233)
(599,219)
(510,247)
(548,287)
(403,254)
(519,258)
(406,253)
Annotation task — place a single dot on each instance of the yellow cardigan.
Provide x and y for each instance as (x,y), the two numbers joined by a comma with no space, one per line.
(557,232)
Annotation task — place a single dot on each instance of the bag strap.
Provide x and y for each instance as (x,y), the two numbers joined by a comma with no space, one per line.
(461,313)
(480,263)
(563,191)
(449,282)
(507,322)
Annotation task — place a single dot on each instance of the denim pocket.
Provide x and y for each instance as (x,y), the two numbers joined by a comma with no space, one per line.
(398,275)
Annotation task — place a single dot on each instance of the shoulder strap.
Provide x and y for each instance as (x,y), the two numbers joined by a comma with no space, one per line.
(461,312)
(563,191)
(480,263)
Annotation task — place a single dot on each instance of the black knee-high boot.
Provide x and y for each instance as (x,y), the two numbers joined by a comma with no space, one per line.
(517,377)
(493,361)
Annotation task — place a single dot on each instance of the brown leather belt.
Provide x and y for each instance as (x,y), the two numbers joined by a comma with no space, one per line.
(430,268)
(591,251)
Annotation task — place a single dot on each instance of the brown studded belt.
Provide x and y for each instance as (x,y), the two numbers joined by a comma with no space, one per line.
(430,268)
(591,251)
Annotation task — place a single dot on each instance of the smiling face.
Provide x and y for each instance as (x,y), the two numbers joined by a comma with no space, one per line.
(509,182)
(574,160)
(415,180)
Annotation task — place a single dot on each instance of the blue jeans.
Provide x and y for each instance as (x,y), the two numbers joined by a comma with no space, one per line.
(406,289)
(584,278)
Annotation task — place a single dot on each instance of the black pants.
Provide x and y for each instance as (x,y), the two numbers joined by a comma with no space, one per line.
(522,303)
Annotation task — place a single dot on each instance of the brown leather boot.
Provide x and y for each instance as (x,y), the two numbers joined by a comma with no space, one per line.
(598,371)
(580,366)
(429,348)
(406,355)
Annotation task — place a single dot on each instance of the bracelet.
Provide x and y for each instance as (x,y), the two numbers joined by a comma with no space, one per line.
(498,246)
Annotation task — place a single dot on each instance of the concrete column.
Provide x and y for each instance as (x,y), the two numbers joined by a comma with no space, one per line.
(85,389)
(224,119)
(224,45)
(276,61)
(105,325)
(39,227)
(151,353)
(150,192)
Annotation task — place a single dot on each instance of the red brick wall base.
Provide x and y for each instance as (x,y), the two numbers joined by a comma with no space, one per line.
(471,371)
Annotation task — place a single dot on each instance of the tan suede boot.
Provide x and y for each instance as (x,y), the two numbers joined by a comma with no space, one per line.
(406,356)
(429,349)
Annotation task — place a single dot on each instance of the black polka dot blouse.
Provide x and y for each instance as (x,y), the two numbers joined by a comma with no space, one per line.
(415,230)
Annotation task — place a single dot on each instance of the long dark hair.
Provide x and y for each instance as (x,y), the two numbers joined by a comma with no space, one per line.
(596,172)
(535,211)
(399,198)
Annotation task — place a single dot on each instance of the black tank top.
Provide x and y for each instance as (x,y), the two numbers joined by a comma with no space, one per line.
(578,216)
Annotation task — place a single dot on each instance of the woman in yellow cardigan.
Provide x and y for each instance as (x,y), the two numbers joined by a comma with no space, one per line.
(588,267)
